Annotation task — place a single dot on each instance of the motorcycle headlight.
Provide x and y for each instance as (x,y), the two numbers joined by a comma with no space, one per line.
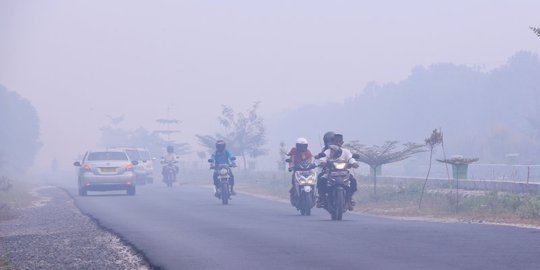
(306,178)
(223,171)
(311,180)
(340,165)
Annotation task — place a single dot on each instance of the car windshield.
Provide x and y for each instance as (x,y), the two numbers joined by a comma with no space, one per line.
(144,155)
(133,154)
(107,156)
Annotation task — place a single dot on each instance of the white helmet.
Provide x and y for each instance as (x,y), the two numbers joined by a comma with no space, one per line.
(301,141)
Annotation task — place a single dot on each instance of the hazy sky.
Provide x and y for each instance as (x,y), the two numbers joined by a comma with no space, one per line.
(77,61)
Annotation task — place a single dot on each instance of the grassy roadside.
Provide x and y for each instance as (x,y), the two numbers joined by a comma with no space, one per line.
(402,200)
(14,195)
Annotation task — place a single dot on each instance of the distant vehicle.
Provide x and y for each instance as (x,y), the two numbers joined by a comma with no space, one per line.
(106,169)
(144,170)
(169,172)
(148,163)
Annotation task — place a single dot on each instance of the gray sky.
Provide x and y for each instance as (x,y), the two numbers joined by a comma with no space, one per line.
(77,61)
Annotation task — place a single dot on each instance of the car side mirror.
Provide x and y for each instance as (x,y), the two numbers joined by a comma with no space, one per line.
(210,160)
(356,156)
(288,160)
(77,163)
(134,162)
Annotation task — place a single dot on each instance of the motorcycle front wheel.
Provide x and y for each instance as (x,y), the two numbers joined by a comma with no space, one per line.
(225,193)
(305,204)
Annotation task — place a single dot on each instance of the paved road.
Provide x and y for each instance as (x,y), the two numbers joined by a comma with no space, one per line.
(187,228)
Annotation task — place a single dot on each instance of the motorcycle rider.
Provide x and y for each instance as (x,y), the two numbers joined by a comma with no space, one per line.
(299,154)
(338,139)
(328,140)
(170,157)
(335,152)
(222,156)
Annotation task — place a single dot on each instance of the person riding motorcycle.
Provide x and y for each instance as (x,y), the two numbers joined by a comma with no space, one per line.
(299,154)
(328,140)
(336,152)
(169,158)
(338,140)
(223,156)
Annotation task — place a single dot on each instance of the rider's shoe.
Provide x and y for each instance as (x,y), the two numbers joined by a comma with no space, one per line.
(321,201)
(352,203)
(232,192)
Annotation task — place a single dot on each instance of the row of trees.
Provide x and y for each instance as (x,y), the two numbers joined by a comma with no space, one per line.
(244,133)
(19,131)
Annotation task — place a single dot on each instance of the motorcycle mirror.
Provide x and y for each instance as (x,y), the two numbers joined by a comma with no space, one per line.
(233,158)
(320,155)
(78,164)
(134,162)
(210,160)
(356,156)
(288,160)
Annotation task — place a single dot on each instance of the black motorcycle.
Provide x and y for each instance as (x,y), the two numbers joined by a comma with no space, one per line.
(338,180)
(224,176)
(304,182)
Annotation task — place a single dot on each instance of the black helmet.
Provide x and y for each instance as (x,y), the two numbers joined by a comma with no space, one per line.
(328,138)
(338,139)
(220,145)
(170,149)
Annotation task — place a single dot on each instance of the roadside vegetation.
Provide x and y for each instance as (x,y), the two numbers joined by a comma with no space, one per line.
(13,195)
(401,200)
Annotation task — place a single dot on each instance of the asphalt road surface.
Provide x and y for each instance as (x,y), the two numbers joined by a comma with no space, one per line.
(185,227)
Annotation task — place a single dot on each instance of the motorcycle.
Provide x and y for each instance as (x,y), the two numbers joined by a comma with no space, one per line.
(169,172)
(338,179)
(224,175)
(304,182)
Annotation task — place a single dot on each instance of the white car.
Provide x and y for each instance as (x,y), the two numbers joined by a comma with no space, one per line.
(144,171)
(147,162)
(106,169)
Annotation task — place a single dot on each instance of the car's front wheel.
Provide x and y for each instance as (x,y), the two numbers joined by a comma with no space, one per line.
(82,191)
(131,191)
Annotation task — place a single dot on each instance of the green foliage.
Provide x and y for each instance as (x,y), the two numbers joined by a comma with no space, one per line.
(536,30)
(19,131)
(376,156)
(435,139)
(244,133)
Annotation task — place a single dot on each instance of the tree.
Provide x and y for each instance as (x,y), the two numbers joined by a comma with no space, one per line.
(244,133)
(376,156)
(282,156)
(536,30)
(435,139)
(113,135)
(19,131)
